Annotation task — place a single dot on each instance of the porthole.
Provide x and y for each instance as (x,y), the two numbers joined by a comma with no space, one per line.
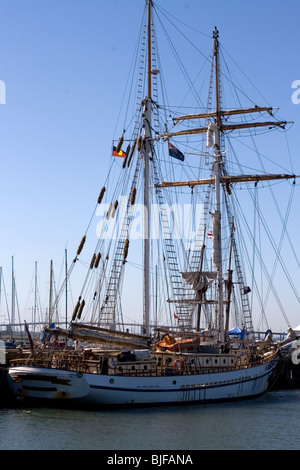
(111,381)
(174,382)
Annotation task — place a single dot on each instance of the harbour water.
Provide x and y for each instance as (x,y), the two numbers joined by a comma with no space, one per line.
(270,422)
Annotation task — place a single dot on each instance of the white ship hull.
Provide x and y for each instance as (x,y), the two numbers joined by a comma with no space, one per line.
(55,385)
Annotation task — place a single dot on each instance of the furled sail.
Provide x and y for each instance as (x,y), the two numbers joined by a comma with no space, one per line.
(100,335)
(200,281)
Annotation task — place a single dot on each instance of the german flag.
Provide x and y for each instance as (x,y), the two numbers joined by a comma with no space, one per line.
(118,154)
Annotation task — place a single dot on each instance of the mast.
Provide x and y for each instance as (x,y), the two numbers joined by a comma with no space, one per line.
(149,50)
(199,294)
(50,295)
(12,295)
(147,120)
(0,285)
(217,246)
(213,129)
(35,296)
(228,282)
(66,272)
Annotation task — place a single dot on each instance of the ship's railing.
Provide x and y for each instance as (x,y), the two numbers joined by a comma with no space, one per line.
(76,361)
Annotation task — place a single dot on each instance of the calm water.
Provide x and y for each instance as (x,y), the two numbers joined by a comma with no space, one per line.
(268,423)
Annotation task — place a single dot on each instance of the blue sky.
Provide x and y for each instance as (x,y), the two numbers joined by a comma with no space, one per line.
(64,64)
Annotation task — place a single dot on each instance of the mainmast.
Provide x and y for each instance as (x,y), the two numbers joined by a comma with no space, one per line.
(217,247)
(147,120)
(220,181)
(13,294)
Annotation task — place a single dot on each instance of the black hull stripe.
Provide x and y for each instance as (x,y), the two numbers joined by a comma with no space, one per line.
(183,389)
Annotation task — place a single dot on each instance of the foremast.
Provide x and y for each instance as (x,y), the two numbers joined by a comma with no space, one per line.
(146,151)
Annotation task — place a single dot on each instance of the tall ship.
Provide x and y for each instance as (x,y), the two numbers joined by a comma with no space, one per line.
(195,340)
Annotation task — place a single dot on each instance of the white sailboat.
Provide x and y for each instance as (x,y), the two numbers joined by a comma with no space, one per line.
(179,362)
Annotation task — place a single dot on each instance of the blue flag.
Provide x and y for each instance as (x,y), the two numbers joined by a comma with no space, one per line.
(175,153)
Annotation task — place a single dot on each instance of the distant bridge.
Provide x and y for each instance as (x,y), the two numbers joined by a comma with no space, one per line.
(18,331)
